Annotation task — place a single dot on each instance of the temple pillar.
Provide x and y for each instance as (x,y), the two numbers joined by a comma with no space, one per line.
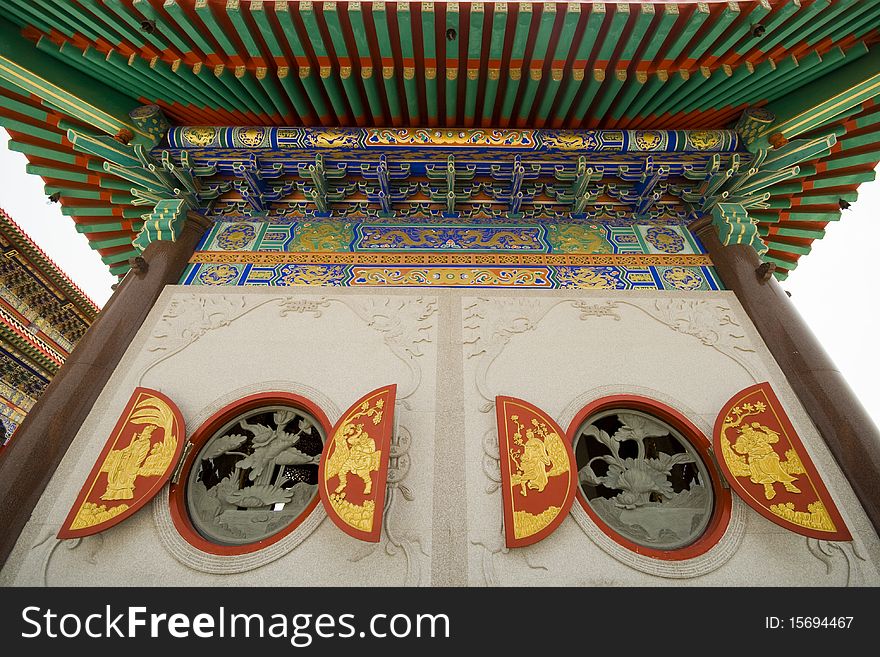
(46,433)
(846,427)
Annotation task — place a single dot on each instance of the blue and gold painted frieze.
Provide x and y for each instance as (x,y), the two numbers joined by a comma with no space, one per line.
(453,175)
(361,236)
(424,213)
(367,254)
(581,141)
(604,277)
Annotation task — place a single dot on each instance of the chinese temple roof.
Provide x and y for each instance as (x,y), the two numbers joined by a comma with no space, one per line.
(596,66)
(42,312)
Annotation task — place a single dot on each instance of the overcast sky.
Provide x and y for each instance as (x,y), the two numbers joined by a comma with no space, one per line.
(832,286)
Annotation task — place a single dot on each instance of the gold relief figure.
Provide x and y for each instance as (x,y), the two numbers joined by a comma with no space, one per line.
(755,442)
(122,466)
(358,455)
(771,459)
(541,449)
(753,454)
(532,465)
(355,451)
(138,458)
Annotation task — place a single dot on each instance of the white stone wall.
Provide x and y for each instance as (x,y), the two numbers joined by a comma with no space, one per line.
(450,352)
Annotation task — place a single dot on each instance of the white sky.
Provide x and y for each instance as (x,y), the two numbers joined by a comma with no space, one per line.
(832,286)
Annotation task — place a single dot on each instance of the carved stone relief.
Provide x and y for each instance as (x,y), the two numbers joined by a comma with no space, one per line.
(491,324)
(705,563)
(405,325)
(396,541)
(710,321)
(843,561)
(192,557)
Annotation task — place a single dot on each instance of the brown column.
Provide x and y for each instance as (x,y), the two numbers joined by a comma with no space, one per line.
(844,424)
(43,438)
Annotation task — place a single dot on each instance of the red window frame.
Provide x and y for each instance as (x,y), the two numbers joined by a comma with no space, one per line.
(722,507)
(177,492)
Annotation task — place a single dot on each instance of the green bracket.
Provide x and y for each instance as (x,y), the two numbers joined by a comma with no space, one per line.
(455,178)
(320,177)
(164,223)
(735,226)
(581,189)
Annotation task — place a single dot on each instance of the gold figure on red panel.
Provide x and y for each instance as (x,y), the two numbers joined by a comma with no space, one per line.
(141,457)
(542,456)
(359,446)
(759,461)
(765,462)
(537,471)
(137,460)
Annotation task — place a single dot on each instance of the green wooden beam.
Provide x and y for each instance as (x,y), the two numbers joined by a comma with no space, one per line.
(493,72)
(810,107)
(83,98)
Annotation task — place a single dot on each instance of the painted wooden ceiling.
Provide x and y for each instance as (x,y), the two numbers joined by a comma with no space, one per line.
(554,65)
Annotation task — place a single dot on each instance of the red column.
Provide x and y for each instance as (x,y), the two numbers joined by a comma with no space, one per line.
(48,429)
(843,423)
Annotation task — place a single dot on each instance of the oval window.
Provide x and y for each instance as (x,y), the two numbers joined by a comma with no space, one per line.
(253,478)
(643,478)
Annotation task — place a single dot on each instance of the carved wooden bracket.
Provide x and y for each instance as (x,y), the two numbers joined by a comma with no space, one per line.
(138,265)
(764,271)
(124,136)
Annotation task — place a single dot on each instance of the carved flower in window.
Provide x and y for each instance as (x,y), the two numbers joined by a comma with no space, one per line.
(643,479)
(255,476)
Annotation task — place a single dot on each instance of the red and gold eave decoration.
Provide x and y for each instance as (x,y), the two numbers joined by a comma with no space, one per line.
(538,473)
(765,462)
(354,465)
(137,460)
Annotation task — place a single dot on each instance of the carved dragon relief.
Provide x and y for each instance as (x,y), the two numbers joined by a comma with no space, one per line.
(395,541)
